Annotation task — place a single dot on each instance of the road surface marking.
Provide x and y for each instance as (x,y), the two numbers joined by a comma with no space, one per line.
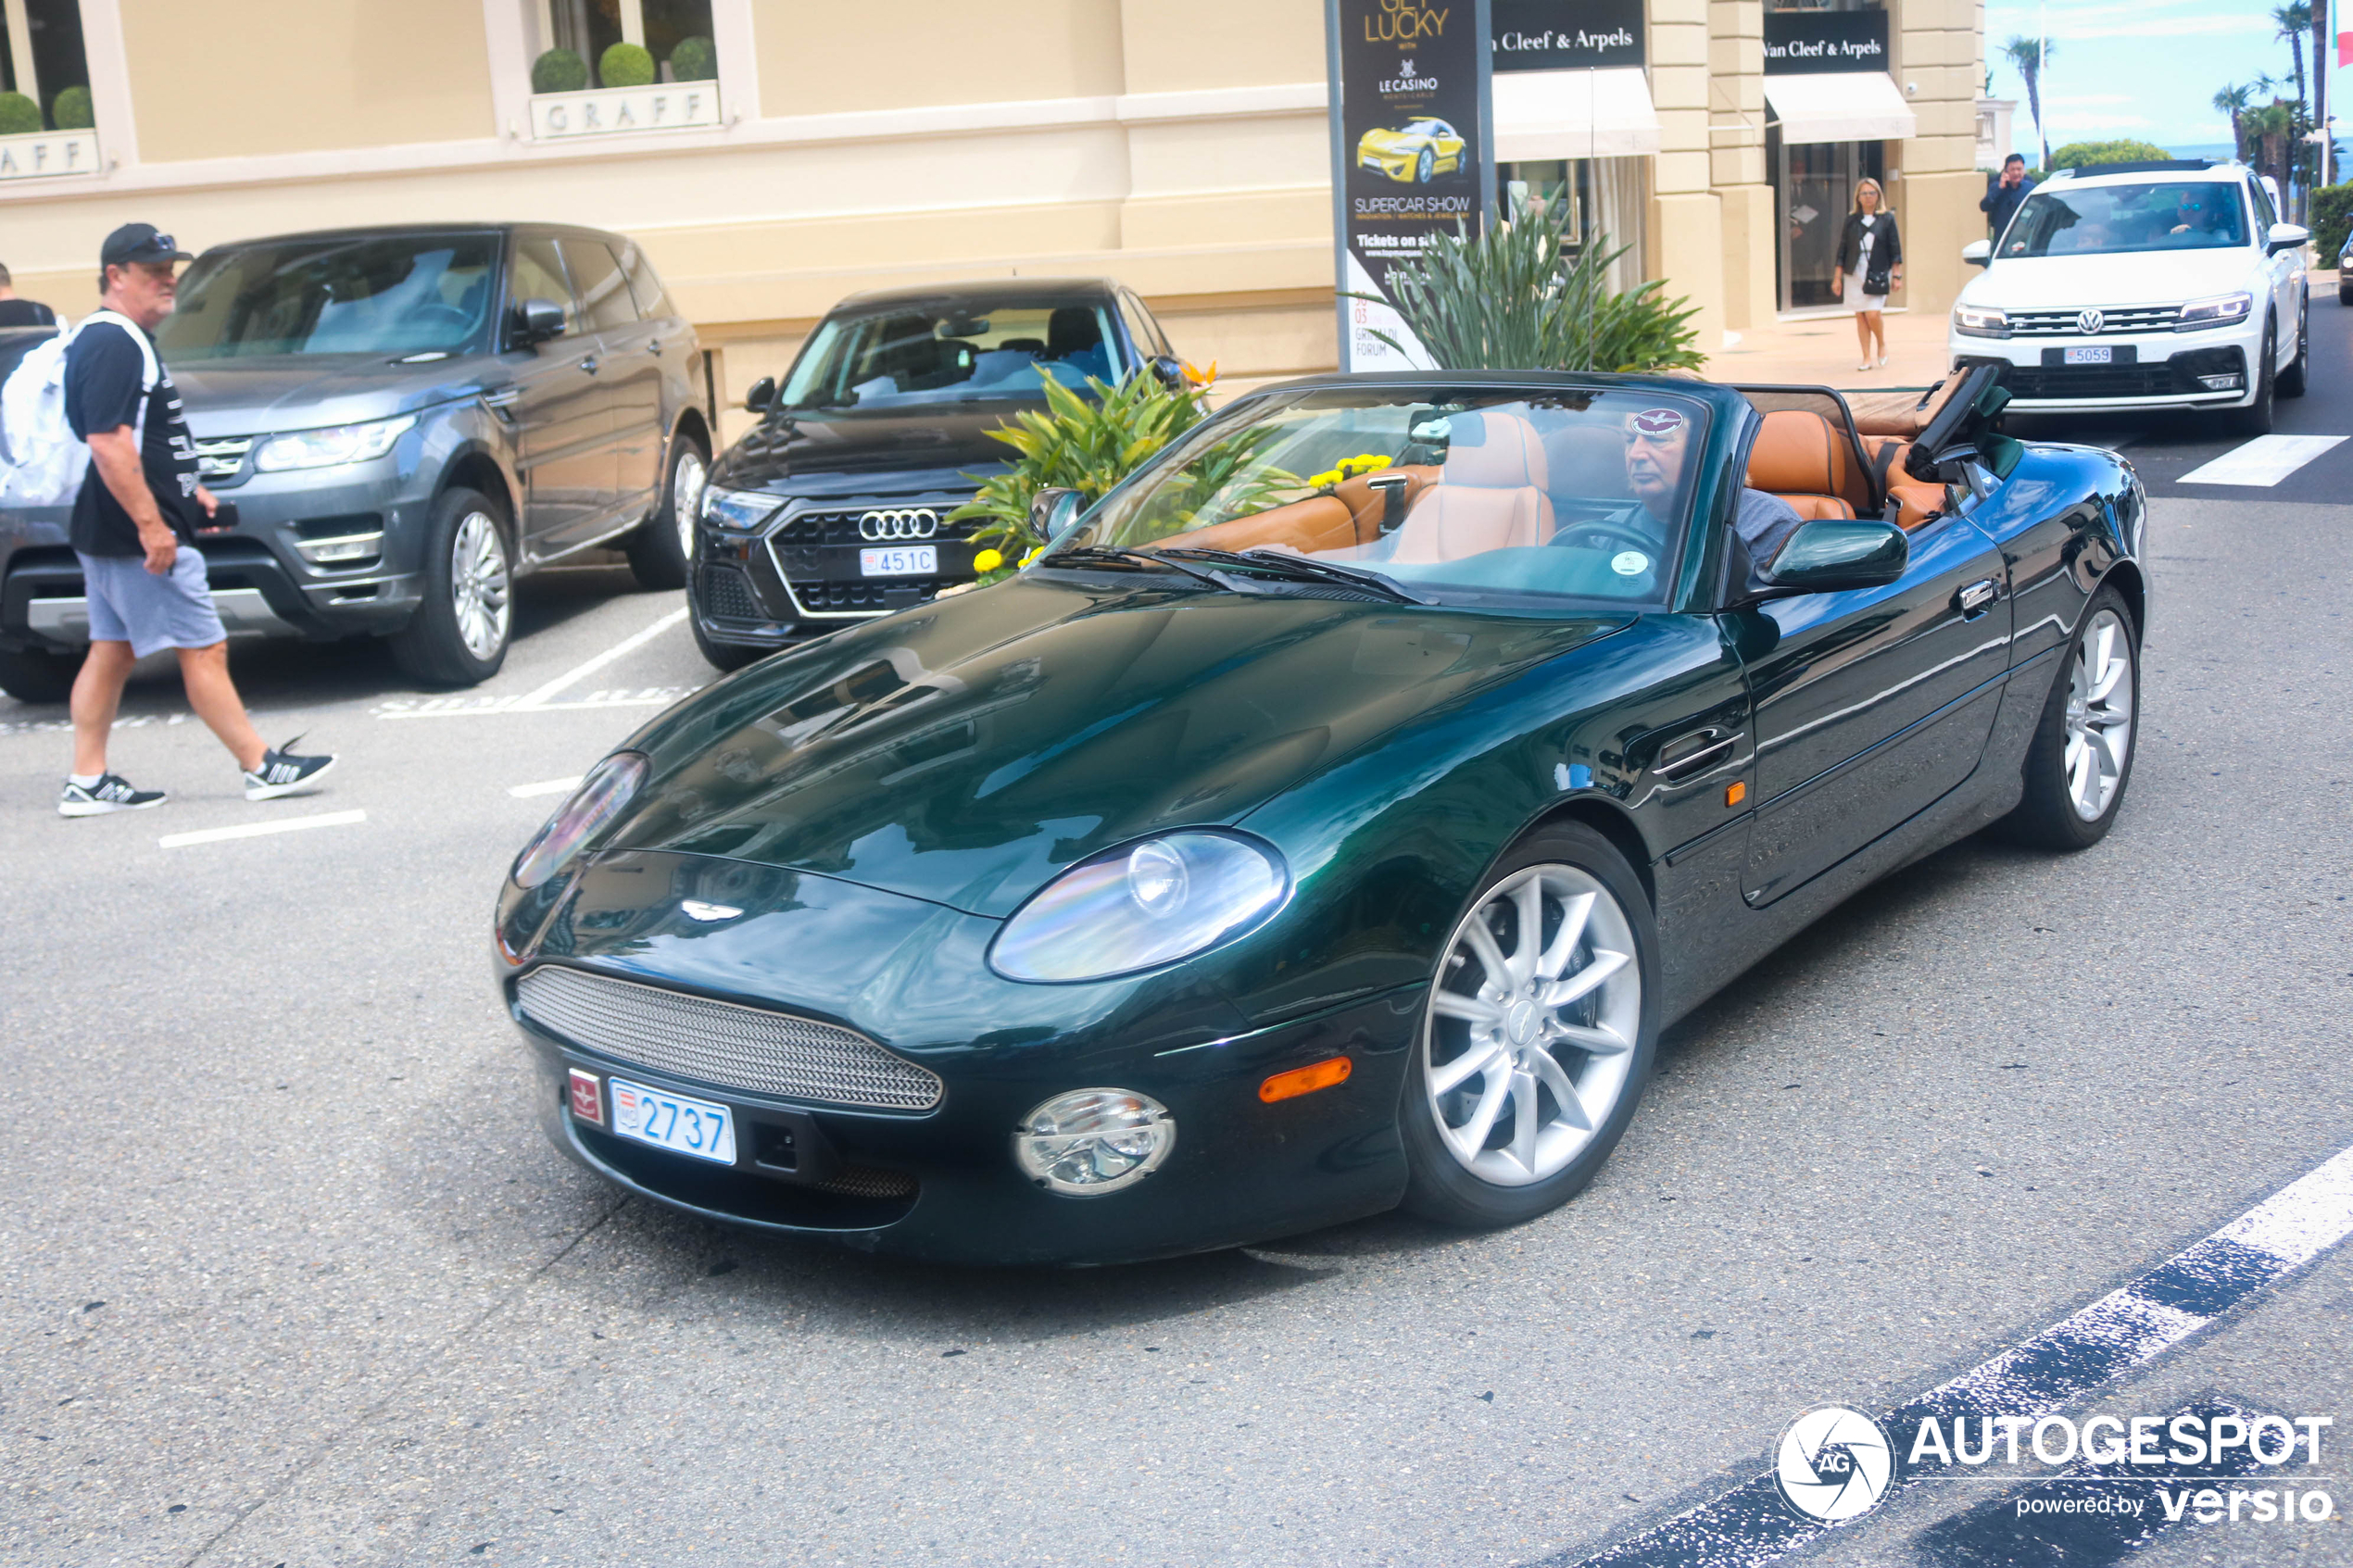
(260,830)
(2123,1330)
(621,649)
(2267,459)
(475,706)
(552,787)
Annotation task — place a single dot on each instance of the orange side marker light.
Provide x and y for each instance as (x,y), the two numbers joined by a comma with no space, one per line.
(1306,1080)
(1735,792)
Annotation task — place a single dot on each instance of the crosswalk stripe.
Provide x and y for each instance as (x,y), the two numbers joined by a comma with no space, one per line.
(2265,460)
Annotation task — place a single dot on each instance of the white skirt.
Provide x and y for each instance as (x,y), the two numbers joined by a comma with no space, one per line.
(1858,300)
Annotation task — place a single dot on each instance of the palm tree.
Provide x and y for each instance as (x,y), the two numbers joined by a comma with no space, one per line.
(2235,102)
(2320,86)
(2292,21)
(2026,57)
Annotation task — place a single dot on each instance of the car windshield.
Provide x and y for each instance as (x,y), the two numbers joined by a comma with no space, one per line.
(1470,495)
(2108,219)
(390,296)
(968,350)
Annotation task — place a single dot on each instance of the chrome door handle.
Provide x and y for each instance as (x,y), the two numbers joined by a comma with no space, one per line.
(1977,598)
(1712,746)
(590,364)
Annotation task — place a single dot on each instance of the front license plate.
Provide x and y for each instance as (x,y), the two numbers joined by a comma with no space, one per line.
(672,1122)
(900,561)
(2100,354)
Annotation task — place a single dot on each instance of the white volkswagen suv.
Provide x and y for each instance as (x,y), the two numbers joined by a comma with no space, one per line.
(2144,286)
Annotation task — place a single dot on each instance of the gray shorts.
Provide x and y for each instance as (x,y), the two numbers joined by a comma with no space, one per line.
(130,604)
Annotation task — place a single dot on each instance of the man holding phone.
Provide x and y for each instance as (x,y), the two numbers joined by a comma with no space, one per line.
(2004,192)
(134,528)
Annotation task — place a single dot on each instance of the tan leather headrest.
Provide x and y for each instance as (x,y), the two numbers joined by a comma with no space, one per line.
(1509,455)
(1799,452)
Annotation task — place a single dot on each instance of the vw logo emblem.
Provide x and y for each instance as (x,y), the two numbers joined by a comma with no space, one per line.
(907,523)
(2090,323)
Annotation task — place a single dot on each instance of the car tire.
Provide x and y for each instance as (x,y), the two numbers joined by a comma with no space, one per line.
(37,674)
(2256,418)
(1457,1173)
(2291,381)
(2344,294)
(2062,808)
(663,551)
(459,633)
(724,656)
(1424,166)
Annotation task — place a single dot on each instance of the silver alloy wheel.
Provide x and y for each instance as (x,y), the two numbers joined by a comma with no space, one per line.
(2099,715)
(1539,1004)
(687,480)
(479,591)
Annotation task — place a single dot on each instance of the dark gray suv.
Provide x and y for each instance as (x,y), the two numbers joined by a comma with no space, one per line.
(400,422)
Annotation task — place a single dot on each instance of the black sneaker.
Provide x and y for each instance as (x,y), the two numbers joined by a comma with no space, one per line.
(111,793)
(282,773)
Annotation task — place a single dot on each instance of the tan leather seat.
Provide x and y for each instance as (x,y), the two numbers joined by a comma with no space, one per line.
(1915,502)
(1806,460)
(1351,515)
(1490,496)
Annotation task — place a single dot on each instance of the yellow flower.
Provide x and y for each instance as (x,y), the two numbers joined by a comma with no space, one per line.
(988,561)
(1033,555)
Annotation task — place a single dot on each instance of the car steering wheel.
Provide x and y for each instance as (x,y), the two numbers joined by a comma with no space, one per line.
(1606,532)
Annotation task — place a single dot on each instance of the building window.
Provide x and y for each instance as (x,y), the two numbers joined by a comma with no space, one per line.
(1604,196)
(603,68)
(41,57)
(675,34)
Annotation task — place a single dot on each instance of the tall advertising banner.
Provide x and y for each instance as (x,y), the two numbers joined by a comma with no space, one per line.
(1411,155)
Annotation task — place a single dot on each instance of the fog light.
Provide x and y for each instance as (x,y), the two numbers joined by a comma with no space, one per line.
(2220,384)
(1093,1141)
(342,550)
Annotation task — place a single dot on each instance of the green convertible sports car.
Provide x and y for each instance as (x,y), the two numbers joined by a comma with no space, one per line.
(1331,819)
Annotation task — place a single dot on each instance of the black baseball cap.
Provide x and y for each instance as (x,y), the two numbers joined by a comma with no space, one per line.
(139,241)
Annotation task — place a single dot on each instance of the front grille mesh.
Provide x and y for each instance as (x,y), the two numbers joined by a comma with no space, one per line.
(2115,319)
(741,1047)
(727,594)
(223,458)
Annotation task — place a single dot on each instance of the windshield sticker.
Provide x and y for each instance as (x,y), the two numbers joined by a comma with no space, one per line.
(1657,421)
(1629,563)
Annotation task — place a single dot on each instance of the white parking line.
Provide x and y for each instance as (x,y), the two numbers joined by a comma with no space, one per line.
(621,649)
(540,701)
(260,830)
(552,787)
(2265,460)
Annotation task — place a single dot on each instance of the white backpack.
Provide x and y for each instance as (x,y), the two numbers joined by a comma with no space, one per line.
(42,461)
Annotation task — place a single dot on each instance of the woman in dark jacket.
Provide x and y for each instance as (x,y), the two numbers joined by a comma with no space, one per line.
(1870,262)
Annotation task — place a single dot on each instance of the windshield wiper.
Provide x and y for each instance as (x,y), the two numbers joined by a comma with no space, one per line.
(1150,559)
(1306,569)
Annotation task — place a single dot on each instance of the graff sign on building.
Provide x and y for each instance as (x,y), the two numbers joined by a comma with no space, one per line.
(1410,152)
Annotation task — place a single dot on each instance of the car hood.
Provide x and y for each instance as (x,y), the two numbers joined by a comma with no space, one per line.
(252,396)
(2066,283)
(843,451)
(966,752)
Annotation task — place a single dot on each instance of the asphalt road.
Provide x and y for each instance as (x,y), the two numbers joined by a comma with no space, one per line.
(288,1277)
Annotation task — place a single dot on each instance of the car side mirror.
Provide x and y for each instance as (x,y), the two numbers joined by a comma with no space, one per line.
(1978,252)
(1167,371)
(2287,236)
(536,320)
(1053,510)
(1832,554)
(762,396)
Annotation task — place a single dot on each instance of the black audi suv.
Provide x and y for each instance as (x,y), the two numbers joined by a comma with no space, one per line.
(834,508)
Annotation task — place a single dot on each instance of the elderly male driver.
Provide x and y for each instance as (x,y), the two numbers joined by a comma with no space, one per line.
(1657,441)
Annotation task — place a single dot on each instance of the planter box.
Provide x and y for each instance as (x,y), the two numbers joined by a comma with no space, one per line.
(42,154)
(624,111)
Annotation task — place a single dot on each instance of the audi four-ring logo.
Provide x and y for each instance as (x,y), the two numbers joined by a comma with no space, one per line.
(916,523)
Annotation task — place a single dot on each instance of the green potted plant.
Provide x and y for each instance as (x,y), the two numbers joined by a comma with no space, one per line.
(18,115)
(625,65)
(559,70)
(695,58)
(70,110)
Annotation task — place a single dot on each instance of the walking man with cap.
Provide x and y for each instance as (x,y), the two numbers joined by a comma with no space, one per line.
(134,526)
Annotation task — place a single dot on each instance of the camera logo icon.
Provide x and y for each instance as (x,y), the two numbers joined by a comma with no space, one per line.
(1833,1464)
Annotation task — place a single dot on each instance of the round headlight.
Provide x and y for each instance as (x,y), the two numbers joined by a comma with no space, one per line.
(1141,906)
(602,796)
(1093,1141)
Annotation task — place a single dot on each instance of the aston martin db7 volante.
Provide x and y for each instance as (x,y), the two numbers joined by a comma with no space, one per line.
(1330,820)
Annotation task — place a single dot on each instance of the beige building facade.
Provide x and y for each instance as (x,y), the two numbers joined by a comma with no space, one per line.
(1181,149)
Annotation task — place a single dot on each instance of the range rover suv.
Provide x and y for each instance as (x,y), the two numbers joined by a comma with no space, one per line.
(400,422)
(834,509)
(2141,286)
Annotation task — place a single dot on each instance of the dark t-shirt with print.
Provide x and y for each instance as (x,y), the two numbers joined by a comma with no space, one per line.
(104,371)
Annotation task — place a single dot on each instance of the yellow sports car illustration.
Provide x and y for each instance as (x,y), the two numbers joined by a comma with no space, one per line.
(1423,148)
